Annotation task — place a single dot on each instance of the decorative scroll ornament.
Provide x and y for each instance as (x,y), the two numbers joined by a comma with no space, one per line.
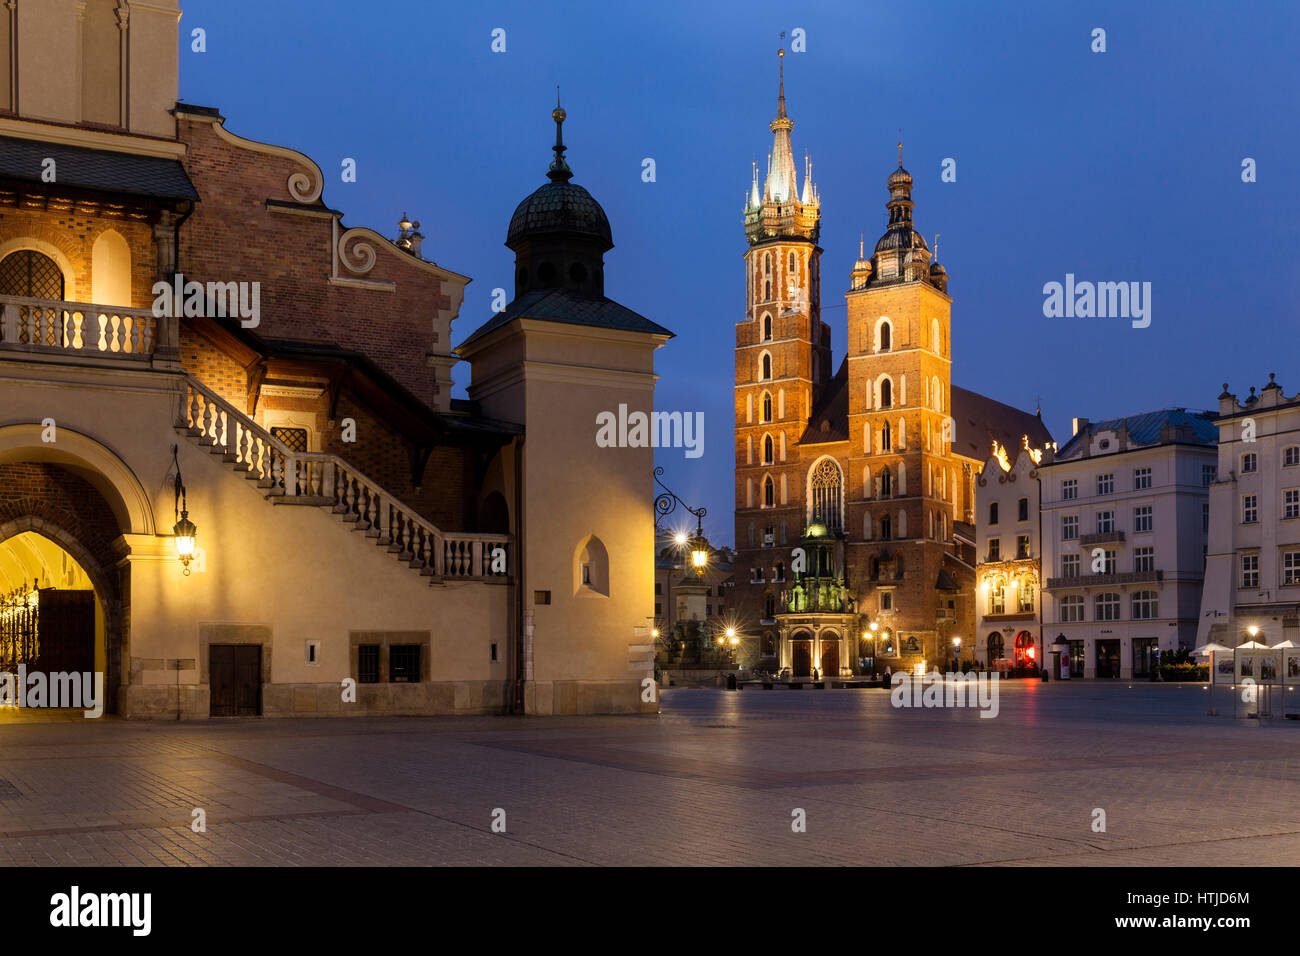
(666,502)
(360,259)
(303,190)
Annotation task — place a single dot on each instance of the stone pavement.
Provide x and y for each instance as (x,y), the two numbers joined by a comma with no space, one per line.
(712,780)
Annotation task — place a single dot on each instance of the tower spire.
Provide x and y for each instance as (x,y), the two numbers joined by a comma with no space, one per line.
(559,170)
(780,97)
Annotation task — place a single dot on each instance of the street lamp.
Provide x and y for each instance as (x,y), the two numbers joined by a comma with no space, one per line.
(956,652)
(875,647)
(184,529)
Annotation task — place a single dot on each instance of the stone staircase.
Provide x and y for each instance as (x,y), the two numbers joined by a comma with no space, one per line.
(318,480)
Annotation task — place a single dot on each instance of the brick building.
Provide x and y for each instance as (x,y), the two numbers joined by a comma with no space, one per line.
(292,399)
(854,487)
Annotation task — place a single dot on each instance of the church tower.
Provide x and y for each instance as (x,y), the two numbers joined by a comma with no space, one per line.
(903,476)
(782,366)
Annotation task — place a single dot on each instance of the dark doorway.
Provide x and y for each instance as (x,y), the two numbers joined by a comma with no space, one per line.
(66,632)
(802,658)
(830,659)
(1144,649)
(1108,659)
(235,680)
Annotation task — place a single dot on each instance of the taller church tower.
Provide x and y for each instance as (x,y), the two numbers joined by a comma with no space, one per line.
(782,362)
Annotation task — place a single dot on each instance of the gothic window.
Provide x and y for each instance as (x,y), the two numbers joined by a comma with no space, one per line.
(885,528)
(827,485)
(767,406)
(767,263)
(767,449)
(886,394)
(885,441)
(791,267)
(767,328)
(885,488)
(767,367)
(884,336)
(30,275)
(769,606)
(769,493)
(767,290)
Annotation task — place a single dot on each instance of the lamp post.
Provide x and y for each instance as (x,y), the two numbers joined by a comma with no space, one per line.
(956,653)
(875,647)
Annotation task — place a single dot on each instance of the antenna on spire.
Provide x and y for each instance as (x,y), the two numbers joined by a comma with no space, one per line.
(936,245)
(861,239)
(900,148)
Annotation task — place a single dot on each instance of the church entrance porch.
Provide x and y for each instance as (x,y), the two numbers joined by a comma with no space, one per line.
(801,658)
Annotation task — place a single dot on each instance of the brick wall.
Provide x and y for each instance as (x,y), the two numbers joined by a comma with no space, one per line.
(234,236)
(63,499)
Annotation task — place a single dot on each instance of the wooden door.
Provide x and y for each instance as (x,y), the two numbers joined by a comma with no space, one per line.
(830,659)
(235,680)
(802,658)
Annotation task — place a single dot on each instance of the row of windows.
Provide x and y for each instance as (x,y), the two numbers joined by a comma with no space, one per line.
(1143,521)
(998,600)
(1143,606)
(1144,559)
(1141,482)
(1290,569)
(1022,511)
(995,548)
(1290,506)
(1290,459)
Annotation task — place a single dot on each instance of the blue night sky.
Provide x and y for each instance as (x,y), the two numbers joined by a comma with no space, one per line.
(1122,166)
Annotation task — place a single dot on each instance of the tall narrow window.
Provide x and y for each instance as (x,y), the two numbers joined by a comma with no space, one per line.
(767,450)
(767,328)
(769,493)
(767,406)
(884,336)
(885,439)
(827,484)
(767,367)
(886,394)
(885,484)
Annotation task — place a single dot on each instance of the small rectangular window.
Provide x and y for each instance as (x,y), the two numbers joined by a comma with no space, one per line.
(1144,559)
(368,664)
(1291,456)
(993,512)
(1022,546)
(1023,510)
(404,664)
(1070,488)
(494,650)
(1069,527)
(1105,484)
(1141,478)
(1208,475)
(1142,520)
(1291,503)
(1249,462)
(541,597)
(1250,570)
(1249,509)
(1069,565)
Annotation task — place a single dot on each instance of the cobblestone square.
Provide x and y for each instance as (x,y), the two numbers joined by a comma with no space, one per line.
(714,779)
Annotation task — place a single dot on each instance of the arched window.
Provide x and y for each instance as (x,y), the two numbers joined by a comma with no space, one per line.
(31,275)
(885,335)
(885,436)
(885,528)
(591,567)
(767,406)
(995,647)
(935,342)
(767,328)
(826,485)
(767,263)
(769,492)
(778,571)
(767,449)
(767,367)
(791,267)
(886,393)
(886,488)
(767,290)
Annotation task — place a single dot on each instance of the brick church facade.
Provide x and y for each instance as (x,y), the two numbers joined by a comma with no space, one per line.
(854,487)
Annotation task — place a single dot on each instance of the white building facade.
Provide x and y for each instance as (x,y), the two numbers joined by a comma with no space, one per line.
(1125,506)
(1008,541)
(1252,574)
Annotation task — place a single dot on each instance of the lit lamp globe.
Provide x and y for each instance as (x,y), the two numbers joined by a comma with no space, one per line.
(731,636)
(185,533)
(699,552)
